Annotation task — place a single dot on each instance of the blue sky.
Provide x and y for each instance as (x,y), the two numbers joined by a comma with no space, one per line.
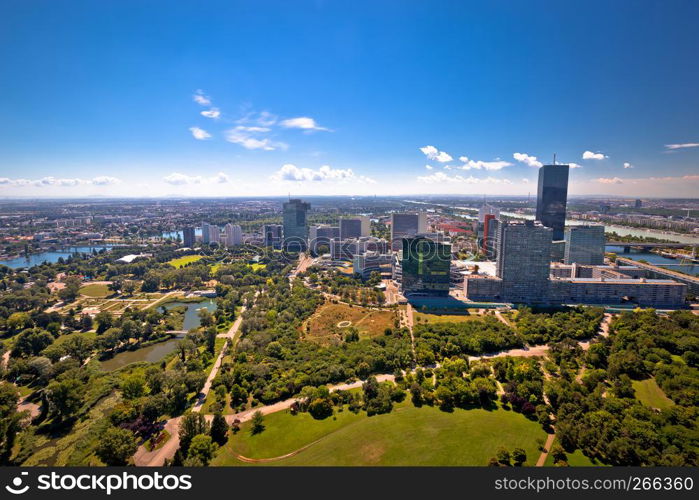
(320,97)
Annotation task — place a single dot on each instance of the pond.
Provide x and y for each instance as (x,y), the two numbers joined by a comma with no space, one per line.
(191,315)
(155,352)
(151,354)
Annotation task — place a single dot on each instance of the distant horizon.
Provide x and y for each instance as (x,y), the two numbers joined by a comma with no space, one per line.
(372,97)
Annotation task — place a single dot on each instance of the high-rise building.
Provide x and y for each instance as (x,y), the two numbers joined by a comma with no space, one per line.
(551,198)
(523,261)
(272,235)
(296,225)
(405,226)
(205,234)
(487,210)
(321,235)
(425,267)
(354,227)
(584,245)
(188,237)
(486,232)
(638,204)
(232,235)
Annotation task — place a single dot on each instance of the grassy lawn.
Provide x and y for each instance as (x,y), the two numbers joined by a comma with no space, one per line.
(369,322)
(650,394)
(85,335)
(257,266)
(407,436)
(96,290)
(419,317)
(184,260)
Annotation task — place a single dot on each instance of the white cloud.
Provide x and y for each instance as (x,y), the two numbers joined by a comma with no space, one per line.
(429,167)
(609,180)
(627,165)
(177,179)
(434,154)
(483,165)
(528,160)
(60,182)
(441,177)
(105,180)
(302,122)
(211,113)
(200,98)
(682,145)
(290,172)
(199,133)
(249,138)
(589,155)
(574,165)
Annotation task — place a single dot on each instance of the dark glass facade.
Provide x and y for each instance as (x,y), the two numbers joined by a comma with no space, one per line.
(551,198)
(425,266)
(295,225)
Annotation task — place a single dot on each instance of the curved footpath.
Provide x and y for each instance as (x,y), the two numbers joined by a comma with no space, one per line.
(157,458)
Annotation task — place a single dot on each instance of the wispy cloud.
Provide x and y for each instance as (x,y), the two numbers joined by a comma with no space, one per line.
(627,165)
(609,180)
(528,160)
(574,165)
(199,133)
(290,172)
(428,167)
(482,165)
(211,113)
(433,153)
(589,155)
(441,177)
(102,180)
(253,138)
(683,145)
(178,179)
(201,98)
(303,123)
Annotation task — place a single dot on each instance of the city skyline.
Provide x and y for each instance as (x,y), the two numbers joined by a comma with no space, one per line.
(404,99)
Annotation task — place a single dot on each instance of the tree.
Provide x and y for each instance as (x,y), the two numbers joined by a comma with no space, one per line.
(320,408)
(211,340)
(558,453)
(10,420)
(72,289)
(78,347)
(205,317)
(130,287)
(503,456)
(133,387)
(116,446)
(219,429)
(64,398)
(191,425)
(257,422)
(202,448)
(85,322)
(104,321)
(519,456)
(31,342)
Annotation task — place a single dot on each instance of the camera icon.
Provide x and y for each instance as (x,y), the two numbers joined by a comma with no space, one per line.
(16,488)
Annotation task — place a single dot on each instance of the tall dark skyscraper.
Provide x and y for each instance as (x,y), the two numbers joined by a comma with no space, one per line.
(188,236)
(551,198)
(295,225)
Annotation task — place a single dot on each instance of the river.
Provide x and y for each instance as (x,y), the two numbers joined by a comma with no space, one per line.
(656,260)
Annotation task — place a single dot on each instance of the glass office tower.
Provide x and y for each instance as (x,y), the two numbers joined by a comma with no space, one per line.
(551,198)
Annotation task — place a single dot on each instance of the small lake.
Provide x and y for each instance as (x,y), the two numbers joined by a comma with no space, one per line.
(49,256)
(156,352)
(151,354)
(191,315)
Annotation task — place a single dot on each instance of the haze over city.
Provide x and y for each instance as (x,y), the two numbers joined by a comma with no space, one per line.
(132,99)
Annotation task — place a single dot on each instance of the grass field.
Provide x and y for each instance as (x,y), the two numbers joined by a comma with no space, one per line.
(407,436)
(85,335)
(419,317)
(369,322)
(650,394)
(257,266)
(96,290)
(184,260)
